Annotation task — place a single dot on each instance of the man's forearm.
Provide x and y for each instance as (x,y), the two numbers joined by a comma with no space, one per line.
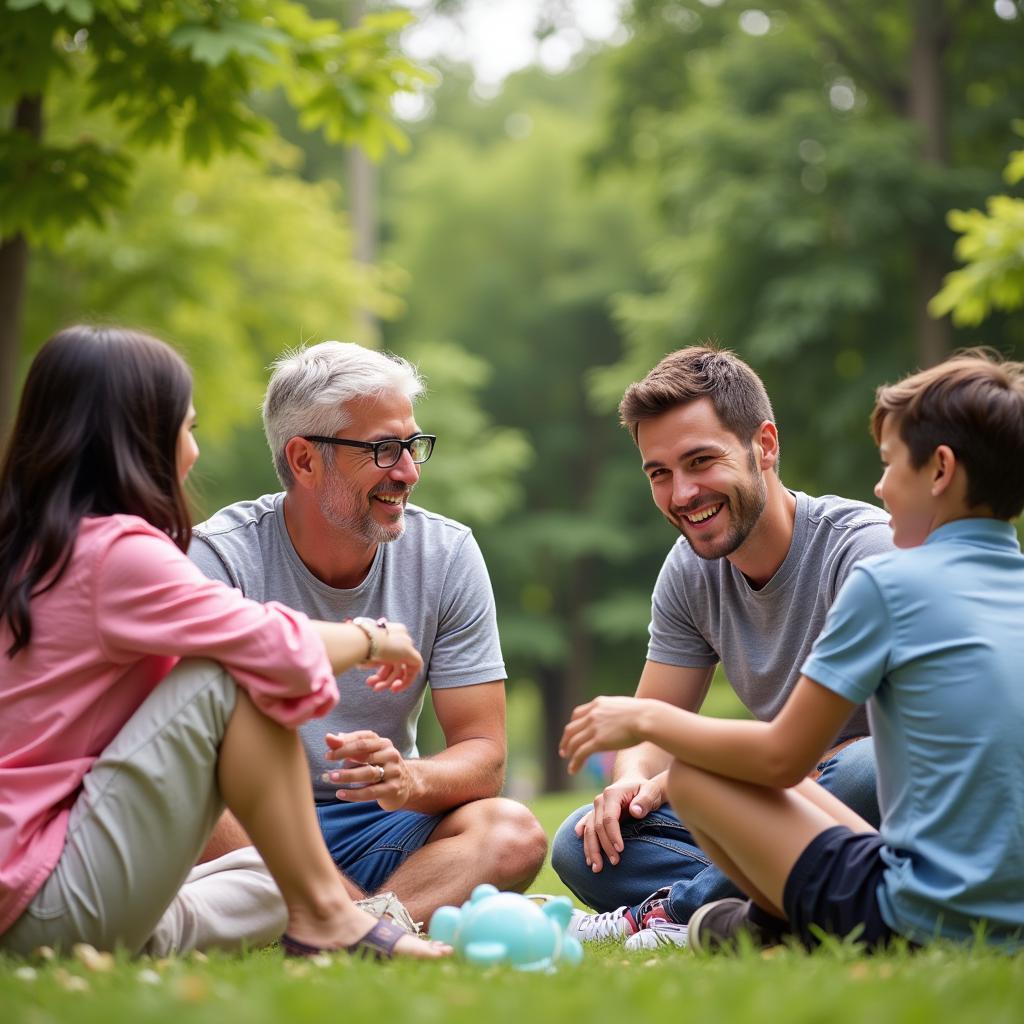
(472,769)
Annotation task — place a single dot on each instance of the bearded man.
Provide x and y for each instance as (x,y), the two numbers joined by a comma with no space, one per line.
(342,542)
(747,585)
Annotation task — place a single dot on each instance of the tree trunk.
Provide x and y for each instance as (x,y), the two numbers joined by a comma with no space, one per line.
(926,103)
(564,689)
(28,117)
(557,706)
(361,177)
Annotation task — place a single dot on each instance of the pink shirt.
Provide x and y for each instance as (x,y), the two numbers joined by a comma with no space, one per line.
(128,607)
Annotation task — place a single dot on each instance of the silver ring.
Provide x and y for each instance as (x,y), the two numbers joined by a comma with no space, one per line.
(383,623)
(380,768)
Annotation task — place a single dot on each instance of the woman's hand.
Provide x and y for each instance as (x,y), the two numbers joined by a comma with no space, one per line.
(606,723)
(397,660)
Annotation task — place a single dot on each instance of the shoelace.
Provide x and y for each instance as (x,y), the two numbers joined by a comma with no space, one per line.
(613,924)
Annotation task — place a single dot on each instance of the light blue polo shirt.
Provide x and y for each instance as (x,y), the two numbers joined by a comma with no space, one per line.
(933,639)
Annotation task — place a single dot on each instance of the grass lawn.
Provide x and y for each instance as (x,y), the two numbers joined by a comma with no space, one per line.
(831,987)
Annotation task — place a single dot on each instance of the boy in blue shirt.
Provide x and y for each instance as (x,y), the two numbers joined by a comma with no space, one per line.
(932,638)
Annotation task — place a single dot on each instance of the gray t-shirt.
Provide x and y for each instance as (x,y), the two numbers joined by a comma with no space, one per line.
(432,579)
(704,612)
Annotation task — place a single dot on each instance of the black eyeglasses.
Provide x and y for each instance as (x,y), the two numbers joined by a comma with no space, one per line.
(386,453)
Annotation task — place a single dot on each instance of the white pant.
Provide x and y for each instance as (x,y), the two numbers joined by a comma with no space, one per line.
(125,877)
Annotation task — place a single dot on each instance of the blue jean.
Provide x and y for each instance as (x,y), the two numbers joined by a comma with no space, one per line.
(368,843)
(659,850)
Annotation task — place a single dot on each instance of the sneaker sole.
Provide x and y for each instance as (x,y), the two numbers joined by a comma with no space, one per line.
(648,939)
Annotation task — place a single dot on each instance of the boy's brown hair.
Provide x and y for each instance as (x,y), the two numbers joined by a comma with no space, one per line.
(689,374)
(974,403)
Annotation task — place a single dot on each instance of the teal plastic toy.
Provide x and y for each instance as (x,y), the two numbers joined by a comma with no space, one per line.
(495,927)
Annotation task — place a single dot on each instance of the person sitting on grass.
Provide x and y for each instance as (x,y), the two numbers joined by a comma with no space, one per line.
(930,637)
(120,742)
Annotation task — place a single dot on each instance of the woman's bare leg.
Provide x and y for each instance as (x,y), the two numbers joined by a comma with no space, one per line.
(264,780)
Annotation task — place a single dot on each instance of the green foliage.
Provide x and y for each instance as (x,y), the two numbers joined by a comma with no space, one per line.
(233,262)
(513,255)
(792,218)
(475,473)
(180,73)
(45,189)
(991,245)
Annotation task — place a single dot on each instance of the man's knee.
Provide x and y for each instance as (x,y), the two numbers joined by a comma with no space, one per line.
(522,835)
(508,835)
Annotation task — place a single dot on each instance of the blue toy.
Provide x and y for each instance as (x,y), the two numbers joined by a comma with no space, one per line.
(505,928)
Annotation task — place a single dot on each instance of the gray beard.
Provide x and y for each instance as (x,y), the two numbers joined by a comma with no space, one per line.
(344,517)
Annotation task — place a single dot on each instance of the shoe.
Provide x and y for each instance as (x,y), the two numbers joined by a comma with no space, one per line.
(657,926)
(719,925)
(615,924)
(377,944)
(659,934)
(388,906)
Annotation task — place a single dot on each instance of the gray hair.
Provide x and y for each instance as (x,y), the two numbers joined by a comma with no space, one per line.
(310,388)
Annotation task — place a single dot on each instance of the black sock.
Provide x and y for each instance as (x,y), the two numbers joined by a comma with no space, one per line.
(774,926)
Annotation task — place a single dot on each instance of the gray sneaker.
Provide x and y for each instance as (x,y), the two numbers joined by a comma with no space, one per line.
(659,934)
(719,925)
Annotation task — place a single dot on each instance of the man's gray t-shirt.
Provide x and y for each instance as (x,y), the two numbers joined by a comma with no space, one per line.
(432,579)
(704,612)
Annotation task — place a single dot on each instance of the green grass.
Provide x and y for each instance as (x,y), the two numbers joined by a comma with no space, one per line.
(833,986)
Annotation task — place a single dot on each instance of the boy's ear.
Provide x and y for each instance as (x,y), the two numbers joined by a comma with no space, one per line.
(944,464)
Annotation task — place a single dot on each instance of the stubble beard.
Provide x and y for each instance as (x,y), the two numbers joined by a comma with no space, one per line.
(744,507)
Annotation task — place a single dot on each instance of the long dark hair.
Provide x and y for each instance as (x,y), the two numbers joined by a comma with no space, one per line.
(96,434)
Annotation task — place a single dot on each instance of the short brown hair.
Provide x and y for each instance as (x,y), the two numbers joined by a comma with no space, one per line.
(974,403)
(689,374)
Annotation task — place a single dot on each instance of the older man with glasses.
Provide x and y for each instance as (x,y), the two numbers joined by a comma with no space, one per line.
(342,542)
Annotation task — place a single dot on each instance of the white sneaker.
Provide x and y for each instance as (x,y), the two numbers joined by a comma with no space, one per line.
(614,924)
(657,935)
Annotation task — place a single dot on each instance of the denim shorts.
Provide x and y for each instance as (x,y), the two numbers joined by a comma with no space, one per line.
(834,887)
(368,843)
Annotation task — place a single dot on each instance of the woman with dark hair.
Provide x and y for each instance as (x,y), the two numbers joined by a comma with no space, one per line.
(119,748)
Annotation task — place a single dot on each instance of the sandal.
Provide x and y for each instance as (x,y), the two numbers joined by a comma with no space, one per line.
(379,943)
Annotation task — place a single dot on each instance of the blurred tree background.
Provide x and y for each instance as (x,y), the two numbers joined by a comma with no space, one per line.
(798,181)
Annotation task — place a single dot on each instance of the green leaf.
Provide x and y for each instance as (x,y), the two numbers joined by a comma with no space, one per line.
(214,45)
